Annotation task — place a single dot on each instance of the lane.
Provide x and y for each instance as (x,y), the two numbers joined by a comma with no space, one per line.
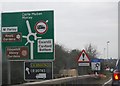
(83,80)
(108,83)
(59,81)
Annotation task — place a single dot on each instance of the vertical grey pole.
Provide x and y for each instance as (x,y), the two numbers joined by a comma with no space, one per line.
(9,73)
(118,29)
(0,70)
(52,70)
(107,48)
(0,51)
(104,52)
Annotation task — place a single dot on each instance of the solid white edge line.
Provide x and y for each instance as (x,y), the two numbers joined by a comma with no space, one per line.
(107,82)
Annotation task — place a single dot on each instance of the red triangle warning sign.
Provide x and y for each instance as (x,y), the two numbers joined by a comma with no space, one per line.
(83,57)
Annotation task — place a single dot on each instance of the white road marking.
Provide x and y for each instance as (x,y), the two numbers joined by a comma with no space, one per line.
(107,82)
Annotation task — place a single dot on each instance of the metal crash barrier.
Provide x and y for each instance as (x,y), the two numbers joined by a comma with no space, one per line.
(60,81)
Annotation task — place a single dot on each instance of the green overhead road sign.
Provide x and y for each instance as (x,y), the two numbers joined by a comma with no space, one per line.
(28,35)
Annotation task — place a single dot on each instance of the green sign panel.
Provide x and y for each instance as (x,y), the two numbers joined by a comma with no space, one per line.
(28,35)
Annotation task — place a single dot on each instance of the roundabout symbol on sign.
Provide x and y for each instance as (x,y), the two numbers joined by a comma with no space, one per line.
(28,39)
(41,27)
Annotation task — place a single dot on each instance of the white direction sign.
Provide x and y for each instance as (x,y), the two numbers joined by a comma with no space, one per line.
(83,64)
(83,57)
(95,65)
(45,45)
(10,29)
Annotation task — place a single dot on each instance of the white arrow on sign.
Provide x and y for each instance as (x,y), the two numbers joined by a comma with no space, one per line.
(28,38)
(27,69)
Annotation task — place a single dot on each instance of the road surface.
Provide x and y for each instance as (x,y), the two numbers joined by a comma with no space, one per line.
(108,83)
(85,80)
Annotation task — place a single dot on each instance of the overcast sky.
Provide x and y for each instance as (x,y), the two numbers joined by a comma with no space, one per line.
(79,23)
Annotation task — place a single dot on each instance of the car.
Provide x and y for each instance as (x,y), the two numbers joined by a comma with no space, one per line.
(116,74)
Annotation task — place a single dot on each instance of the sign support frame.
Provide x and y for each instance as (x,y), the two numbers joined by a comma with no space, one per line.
(9,72)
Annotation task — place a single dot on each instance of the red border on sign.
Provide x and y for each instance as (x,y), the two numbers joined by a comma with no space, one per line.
(80,56)
(44,23)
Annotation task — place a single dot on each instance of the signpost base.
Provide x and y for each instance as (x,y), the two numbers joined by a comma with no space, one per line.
(9,72)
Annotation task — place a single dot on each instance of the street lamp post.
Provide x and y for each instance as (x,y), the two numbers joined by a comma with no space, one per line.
(107,48)
(104,52)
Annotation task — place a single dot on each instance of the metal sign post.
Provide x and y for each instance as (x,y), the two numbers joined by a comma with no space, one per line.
(0,56)
(9,73)
(96,66)
(83,62)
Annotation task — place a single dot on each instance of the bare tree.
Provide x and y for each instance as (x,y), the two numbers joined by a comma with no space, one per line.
(91,51)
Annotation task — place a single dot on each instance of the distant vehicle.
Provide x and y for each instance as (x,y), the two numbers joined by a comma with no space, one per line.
(116,74)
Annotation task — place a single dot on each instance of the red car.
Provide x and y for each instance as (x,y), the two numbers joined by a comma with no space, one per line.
(116,75)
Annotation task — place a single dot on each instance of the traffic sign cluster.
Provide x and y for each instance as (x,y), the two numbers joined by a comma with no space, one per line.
(84,61)
(29,37)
